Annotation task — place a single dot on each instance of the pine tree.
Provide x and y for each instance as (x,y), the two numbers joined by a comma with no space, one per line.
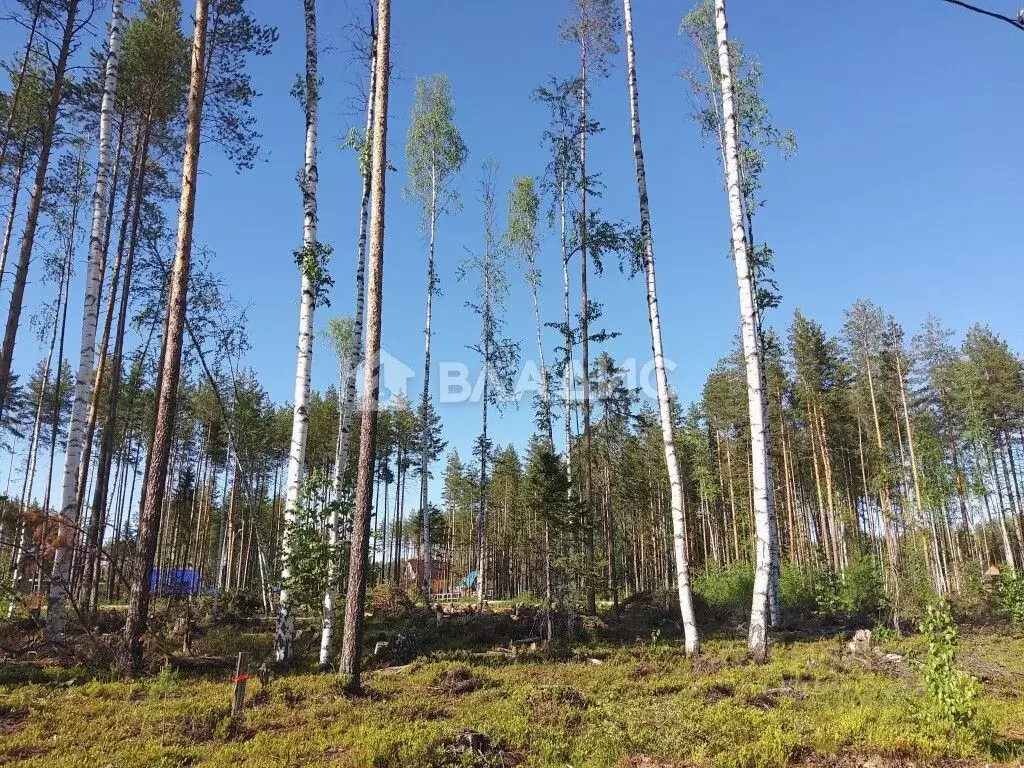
(351,660)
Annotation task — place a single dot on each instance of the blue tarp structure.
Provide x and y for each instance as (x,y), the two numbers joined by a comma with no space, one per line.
(176,581)
(469,580)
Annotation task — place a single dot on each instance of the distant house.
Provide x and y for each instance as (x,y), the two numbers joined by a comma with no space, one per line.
(438,569)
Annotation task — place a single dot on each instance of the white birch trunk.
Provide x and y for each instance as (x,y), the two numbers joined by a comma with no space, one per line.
(66,536)
(692,638)
(349,384)
(757,639)
(285,630)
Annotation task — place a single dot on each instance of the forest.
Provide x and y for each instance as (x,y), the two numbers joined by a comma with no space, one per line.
(814,558)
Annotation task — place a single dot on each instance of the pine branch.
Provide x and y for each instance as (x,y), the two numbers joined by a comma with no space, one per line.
(1018,22)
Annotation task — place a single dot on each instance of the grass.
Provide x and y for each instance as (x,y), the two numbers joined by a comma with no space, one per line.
(535,708)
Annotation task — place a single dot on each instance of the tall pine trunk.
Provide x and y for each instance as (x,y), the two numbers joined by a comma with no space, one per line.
(352,643)
(166,396)
(69,502)
(692,638)
(307,304)
(12,106)
(425,427)
(587,517)
(35,202)
(757,638)
(12,211)
(349,380)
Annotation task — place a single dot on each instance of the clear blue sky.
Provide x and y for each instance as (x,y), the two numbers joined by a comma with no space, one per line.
(907,187)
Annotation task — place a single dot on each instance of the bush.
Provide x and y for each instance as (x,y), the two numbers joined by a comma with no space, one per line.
(858,593)
(863,592)
(1011,600)
(953,692)
(389,599)
(796,591)
(724,594)
(237,604)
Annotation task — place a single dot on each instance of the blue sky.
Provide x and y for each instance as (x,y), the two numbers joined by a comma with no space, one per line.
(906,189)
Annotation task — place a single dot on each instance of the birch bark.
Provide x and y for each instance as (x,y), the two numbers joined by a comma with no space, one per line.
(66,533)
(757,639)
(691,635)
(285,630)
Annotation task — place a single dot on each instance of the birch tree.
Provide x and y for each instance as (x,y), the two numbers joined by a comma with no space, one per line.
(679,533)
(69,503)
(498,355)
(523,237)
(312,260)
(352,643)
(561,176)
(757,637)
(435,153)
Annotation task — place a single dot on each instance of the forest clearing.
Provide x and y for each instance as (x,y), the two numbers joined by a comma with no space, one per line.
(465,692)
(535,497)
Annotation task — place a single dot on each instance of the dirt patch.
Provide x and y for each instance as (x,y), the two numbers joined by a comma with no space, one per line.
(472,748)
(458,681)
(12,719)
(705,666)
(717,693)
(640,671)
(766,701)
(20,753)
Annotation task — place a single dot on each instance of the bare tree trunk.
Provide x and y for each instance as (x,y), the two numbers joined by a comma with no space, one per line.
(758,633)
(351,653)
(349,378)
(116,364)
(587,501)
(685,597)
(149,513)
(12,107)
(13,210)
(69,503)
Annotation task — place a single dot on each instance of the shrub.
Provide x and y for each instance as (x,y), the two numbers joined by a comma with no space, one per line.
(857,593)
(389,599)
(796,591)
(863,590)
(1011,600)
(725,593)
(310,554)
(953,692)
